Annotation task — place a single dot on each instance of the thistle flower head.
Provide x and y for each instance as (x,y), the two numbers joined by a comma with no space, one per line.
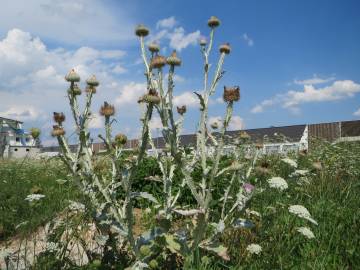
(35,133)
(158,61)
(59,117)
(259,146)
(90,89)
(213,22)
(248,187)
(202,42)
(154,47)
(74,90)
(173,60)
(225,48)
(181,110)
(92,81)
(120,139)
(141,30)
(57,131)
(107,110)
(214,125)
(231,94)
(72,76)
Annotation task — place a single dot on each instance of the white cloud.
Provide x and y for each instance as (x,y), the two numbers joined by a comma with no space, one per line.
(96,121)
(166,23)
(249,41)
(155,123)
(130,93)
(236,122)
(314,80)
(187,98)
(119,69)
(69,21)
(179,40)
(357,113)
(292,99)
(22,113)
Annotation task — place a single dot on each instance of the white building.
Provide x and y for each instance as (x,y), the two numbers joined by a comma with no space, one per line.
(15,142)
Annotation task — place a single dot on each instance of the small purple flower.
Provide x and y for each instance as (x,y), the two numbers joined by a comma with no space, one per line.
(248,187)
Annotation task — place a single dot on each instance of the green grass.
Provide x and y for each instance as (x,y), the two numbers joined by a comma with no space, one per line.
(19,179)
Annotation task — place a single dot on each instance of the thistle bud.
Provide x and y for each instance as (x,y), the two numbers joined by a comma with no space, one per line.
(59,117)
(92,81)
(213,22)
(154,47)
(120,139)
(107,109)
(173,60)
(158,61)
(181,110)
(231,94)
(90,89)
(150,99)
(57,131)
(141,30)
(203,42)
(74,90)
(35,133)
(72,76)
(214,125)
(225,48)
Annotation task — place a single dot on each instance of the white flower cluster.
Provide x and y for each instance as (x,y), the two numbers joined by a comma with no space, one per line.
(306,232)
(301,212)
(52,247)
(34,197)
(76,206)
(278,183)
(301,172)
(254,249)
(4,253)
(289,161)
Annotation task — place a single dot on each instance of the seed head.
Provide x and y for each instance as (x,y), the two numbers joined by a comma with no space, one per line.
(72,76)
(225,48)
(231,94)
(173,60)
(214,125)
(75,90)
(181,110)
(90,89)
(57,131)
(107,110)
(203,42)
(120,139)
(141,30)
(59,117)
(158,61)
(154,47)
(92,81)
(213,22)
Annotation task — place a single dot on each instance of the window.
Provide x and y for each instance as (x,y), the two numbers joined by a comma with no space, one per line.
(27,139)
(15,149)
(17,139)
(27,149)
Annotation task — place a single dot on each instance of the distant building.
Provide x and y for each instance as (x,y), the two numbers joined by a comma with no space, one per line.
(273,139)
(15,142)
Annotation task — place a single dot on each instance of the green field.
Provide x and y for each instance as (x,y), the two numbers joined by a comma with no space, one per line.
(331,194)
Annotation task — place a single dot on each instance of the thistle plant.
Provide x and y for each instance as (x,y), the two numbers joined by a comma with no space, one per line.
(111,194)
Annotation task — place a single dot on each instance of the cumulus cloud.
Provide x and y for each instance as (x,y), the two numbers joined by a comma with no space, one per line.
(236,122)
(249,41)
(69,21)
(177,36)
(130,93)
(166,23)
(187,98)
(22,113)
(314,80)
(96,121)
(292,99)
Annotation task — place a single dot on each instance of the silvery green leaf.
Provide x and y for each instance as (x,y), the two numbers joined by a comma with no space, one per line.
(61,181)
(190,212)
(220,250)
(243,223)
(144,195)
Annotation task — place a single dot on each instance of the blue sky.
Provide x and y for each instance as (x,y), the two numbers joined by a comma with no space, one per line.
(295,61)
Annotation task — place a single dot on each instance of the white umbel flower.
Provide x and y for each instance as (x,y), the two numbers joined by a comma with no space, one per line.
(306,232)
(278,183)
(34,197)
(76,206)
(289,161)
(52,246)
(301,172)
(254,249)
(301,212)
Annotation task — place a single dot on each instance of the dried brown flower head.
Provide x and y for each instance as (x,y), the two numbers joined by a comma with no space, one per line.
(213,22)
(92,81)
(59,117)
(107,110)
(120,139)
(154,47)
(72,76)
(225,48)
(158,61)
(173,60)
(74,90)
(57,131)
(181,110)
(231,94)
